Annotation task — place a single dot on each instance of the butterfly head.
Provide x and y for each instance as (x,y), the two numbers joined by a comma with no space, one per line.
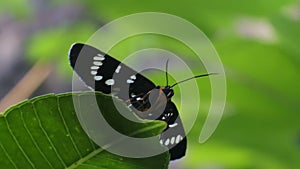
(167,90)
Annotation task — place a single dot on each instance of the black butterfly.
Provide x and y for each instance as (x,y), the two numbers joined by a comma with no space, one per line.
(106,74)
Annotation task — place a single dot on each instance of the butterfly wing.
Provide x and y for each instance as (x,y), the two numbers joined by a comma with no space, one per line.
(105,74)
(174,135)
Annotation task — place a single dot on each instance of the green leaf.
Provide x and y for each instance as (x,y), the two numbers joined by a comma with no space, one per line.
(288,31)
(207,15)
(45,133)
(261,95)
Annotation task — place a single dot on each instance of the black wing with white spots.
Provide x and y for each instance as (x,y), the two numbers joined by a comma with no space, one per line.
(174,135)
(106,74)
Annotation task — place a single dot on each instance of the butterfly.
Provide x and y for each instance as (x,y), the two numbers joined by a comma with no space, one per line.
(108,75)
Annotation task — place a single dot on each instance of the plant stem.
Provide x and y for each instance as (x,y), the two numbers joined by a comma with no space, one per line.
(27,85)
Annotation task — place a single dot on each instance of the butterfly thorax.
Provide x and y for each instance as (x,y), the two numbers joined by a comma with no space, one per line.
(167,91)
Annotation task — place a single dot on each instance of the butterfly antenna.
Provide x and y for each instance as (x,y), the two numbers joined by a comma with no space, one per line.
(194,77)
(167,81)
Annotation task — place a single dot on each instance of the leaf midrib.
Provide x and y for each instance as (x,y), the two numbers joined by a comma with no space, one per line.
(86,158)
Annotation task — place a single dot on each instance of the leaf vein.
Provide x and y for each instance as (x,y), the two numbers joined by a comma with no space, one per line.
(83,124)
(8,156)
(67,129)
(33,140)
(86,158)
(48,138)
(18,144)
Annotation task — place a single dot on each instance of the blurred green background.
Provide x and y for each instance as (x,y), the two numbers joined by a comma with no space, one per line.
(257,41)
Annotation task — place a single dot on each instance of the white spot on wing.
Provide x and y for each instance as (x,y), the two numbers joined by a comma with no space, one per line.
(98,63)
(172,140)
(93,72)
(167,142)
(129,81)
(161,141)
(118,69)
(178,139)
(110,82)
(99,57)
(133,77)
(95,67)
(173,125)
(139,98)
(97,78)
